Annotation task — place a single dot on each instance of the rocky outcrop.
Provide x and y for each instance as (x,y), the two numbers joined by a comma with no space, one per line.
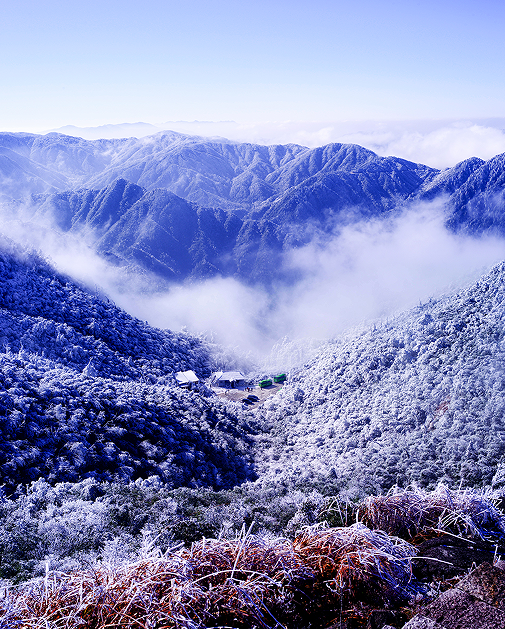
(477,602)
(449,556)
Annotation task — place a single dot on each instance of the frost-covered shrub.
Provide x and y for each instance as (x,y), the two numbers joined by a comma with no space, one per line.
(419,398)
(70,524)
(407,513)
(63,426)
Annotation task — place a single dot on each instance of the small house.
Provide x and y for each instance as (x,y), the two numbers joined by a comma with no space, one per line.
(186,379)
(228,379)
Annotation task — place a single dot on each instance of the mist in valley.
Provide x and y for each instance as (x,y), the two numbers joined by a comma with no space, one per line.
(352,276)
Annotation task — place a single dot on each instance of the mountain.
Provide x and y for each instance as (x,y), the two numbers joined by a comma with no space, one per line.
(189,208)
(475,189)
(109,131)
(340,177)
(86,391)
(215,173)
(479,202)
(212,172)
(419,398)
(155,230)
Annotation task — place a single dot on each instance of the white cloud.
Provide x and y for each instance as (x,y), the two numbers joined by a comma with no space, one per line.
(221,308)
(446,146)
(368,270)
(379,267)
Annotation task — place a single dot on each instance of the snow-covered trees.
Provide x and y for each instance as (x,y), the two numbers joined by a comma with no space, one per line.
(419,398)
(86,391)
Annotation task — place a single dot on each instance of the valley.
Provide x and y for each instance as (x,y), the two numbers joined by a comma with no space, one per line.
(103,456)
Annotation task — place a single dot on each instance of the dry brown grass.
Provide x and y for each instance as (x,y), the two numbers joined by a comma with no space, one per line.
(131,596)
(358,563)
(250,582)
(254,582)
(408,513)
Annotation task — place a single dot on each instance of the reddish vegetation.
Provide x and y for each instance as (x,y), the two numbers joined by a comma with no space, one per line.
(247,582)
(325,577)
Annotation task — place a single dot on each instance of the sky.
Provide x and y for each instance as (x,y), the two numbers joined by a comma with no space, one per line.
(419,80)
(115,61)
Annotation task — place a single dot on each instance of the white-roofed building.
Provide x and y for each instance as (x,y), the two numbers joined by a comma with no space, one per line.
(228,379)
(186,379)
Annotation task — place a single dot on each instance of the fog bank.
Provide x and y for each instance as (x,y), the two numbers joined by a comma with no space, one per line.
(367,271)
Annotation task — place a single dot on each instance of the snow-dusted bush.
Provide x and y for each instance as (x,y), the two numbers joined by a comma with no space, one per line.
(419,398)
(407,513)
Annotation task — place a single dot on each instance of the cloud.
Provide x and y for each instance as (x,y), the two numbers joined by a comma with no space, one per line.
(367,271)
(364,272)
(443,147)
(376,268)
(70,253)
(222,308)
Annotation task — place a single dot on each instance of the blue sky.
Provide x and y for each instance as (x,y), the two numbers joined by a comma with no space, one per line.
(91,63)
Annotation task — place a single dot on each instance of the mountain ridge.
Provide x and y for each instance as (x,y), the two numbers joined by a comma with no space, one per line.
(241,206)
(87,391)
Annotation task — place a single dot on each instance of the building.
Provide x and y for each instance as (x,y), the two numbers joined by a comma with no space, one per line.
(186,379)
(228,379)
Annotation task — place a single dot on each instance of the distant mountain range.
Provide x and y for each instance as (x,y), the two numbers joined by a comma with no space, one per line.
(110,131)
(186,207)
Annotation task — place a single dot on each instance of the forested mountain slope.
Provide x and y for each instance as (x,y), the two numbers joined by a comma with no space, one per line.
(190,208)
(210,172)
(155,230)
(47,313)
(88,391)
(160,232)
(419,398)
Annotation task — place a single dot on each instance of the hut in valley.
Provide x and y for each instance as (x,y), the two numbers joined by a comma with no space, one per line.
(228,379)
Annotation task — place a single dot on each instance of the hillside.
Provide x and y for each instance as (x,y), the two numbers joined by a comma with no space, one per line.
(186,208)
(371,398)
(419,398)
(104,459)
(88,391)
(209,172)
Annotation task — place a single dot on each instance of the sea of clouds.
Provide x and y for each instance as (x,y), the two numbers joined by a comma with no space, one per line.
(358,274)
